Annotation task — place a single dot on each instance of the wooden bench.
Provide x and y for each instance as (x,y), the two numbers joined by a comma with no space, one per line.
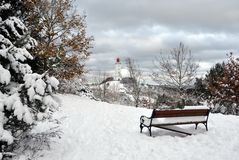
(165,119)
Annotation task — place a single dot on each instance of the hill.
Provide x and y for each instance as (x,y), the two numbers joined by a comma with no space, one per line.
(100,131)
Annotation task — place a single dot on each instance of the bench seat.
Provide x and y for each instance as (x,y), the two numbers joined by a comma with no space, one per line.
(163,118)
(174,120)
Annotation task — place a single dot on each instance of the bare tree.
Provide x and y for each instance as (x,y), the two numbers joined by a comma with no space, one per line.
(178,69)
(100,89)
(136,79)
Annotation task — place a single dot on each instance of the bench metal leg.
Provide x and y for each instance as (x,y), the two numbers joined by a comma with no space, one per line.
(206,126)
(141,128)
(196,125)
(150,133)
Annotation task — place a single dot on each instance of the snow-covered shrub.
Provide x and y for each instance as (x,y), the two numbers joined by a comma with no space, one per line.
(38,139)
(112,92)
(225,108)
(25,97)
(75,86)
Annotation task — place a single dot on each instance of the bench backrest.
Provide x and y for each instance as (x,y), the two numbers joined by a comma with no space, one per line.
(179,113)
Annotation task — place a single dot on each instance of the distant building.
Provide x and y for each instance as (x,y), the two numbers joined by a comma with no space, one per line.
(117,69)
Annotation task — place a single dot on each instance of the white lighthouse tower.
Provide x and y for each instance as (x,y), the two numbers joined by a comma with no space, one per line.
(118,69)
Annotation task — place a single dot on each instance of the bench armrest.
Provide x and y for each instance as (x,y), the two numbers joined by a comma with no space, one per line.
(145,121)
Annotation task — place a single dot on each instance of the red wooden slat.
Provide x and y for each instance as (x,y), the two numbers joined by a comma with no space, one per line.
(180,113)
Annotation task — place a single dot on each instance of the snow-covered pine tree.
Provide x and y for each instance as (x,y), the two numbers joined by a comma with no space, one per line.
(24,96)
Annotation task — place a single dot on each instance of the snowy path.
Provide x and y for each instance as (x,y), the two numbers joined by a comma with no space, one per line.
(101,131)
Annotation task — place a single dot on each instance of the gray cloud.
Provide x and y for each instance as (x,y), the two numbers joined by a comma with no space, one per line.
(195,15)
(141,29)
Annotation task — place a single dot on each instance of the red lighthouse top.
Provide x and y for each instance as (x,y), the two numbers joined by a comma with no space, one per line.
(118,60)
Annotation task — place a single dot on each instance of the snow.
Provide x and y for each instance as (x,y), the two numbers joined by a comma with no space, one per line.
(20,54)
(5,75)
(1,106)
(100,131)
(31,93)
(124,73)
(4,7)
(40,86)
(18,109)
(30,79)
(21,68)
(27,117)
(9,101)
(53,82)
(196,107)
(13,23)
(115,86)
(37,88)
(171,120)
(6,136)
(21,111)
(50,102)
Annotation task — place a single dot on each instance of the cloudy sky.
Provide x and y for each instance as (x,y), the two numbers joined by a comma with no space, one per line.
(140,29)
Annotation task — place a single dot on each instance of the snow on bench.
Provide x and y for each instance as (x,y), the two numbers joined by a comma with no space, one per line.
(165,119)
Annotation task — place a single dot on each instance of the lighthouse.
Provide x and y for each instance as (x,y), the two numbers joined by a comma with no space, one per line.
(117,69)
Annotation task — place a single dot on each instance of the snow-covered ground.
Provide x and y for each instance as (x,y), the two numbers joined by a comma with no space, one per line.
(100,131)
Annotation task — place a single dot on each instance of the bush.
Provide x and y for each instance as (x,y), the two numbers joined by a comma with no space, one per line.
(75,86)
(224,88)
